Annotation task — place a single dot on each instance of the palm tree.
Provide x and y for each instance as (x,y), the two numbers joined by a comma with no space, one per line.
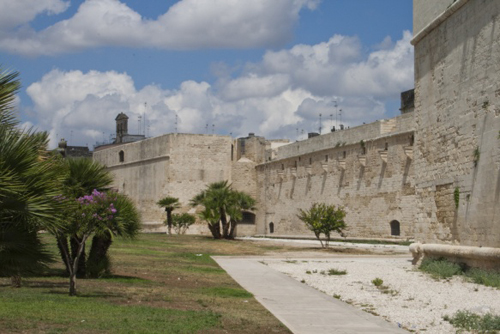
(239,201)
(170,204)
(221,202)
(28,186)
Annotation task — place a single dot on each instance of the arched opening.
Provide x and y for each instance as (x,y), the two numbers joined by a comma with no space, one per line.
(121,156)
(271,227)
(247,218)
(395,228)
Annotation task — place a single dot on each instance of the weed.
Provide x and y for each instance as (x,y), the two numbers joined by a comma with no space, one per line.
(336,296)
(469,321)
(333,271)
(484,277)
(290,261)
(456,196)
(302,281)
(440,268)
(477,155)
(308,272)
(377,282)
(486,104)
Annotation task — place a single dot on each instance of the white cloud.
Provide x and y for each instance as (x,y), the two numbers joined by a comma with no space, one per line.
(284,92)
(338,67)
(188,24)
(17,12)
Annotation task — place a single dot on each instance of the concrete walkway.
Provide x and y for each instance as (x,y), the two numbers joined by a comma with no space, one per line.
(301,308)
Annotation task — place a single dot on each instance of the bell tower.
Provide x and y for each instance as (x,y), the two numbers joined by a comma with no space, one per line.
(121,127)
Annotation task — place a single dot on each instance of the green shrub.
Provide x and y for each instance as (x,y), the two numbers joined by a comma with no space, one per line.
(377,282)
(323,219)
(334,271)
(440,268)
(484,277)
(469,321)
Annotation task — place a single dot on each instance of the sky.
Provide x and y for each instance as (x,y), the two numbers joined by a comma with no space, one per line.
(227,67)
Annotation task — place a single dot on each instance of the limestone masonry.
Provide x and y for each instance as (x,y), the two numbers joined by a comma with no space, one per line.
(432,174)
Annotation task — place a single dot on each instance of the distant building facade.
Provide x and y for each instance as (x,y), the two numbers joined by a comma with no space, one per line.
(73,151)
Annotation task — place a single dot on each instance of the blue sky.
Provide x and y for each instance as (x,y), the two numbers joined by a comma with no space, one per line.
(264,66)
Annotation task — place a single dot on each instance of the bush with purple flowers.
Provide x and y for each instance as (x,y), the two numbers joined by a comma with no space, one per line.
(97,208)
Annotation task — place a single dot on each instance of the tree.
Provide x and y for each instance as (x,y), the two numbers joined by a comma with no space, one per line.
(181,222)
(127,224)
(322,218)
(170,204)
(81,177)
(91,214)
(28,185)
(239,201)
(222,208)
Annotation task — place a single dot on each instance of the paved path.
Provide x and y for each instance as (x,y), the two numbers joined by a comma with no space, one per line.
(301,308)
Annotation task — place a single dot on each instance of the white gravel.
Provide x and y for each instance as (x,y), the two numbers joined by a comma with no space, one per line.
(415,302)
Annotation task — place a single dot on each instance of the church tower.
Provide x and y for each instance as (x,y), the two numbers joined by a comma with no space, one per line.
(121,127)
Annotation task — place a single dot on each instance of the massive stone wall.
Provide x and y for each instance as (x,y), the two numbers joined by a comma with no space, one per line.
(367,169)
(178,165)
(457,113)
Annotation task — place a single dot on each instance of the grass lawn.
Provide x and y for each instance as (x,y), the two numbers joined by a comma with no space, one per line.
(160,284)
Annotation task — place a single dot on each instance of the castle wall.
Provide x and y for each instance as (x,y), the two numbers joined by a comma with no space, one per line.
(178,165)
(425,11)
(329,169)
(457,114)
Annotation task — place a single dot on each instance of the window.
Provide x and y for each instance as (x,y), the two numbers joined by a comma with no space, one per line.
(271,227)
(326,158)
(395,228)
(386,147)
(344,154)
(310,161)
(121,156)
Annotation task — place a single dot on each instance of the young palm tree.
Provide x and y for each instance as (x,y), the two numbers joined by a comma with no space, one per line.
(221,202)
(28,187)
(170,204)
(239,201)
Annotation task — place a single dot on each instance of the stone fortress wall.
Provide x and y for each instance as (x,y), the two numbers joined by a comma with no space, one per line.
(457,116)
(178,165)
(374,183)
(367,169)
